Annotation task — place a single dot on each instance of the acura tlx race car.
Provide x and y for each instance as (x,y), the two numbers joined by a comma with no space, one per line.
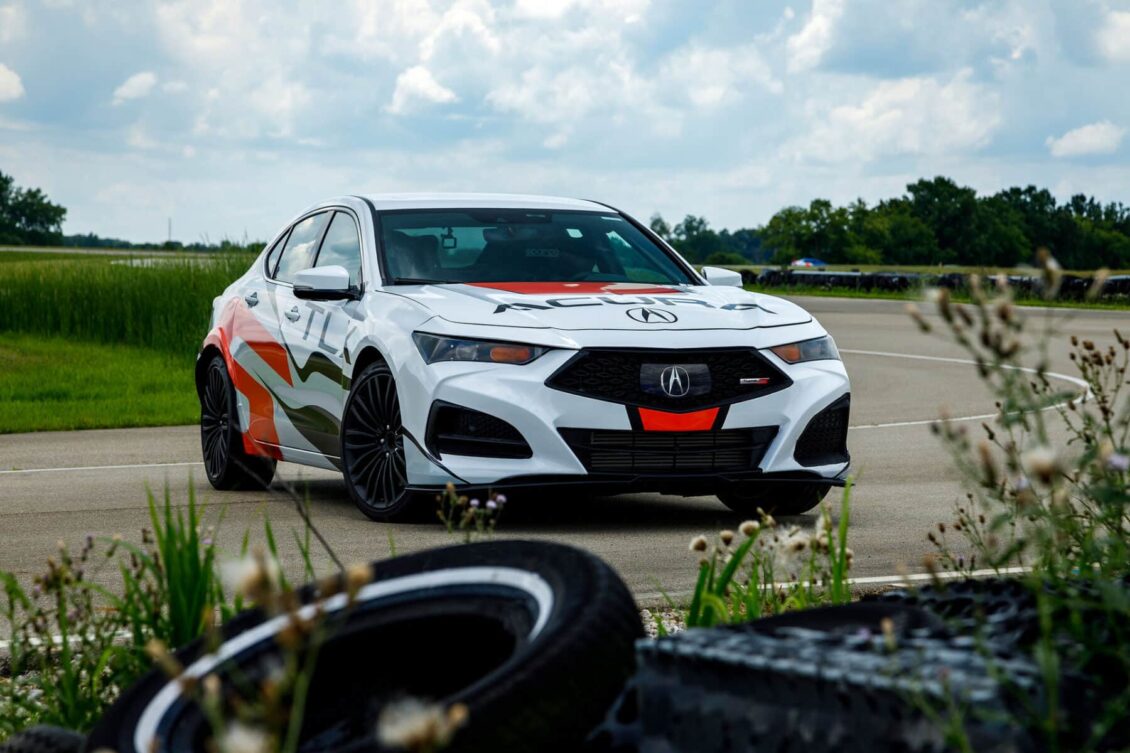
(498,342)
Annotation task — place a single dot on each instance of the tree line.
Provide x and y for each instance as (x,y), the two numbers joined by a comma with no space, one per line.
(935,222)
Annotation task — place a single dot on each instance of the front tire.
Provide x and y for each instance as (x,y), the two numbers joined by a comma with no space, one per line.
(372,446)
(227,464)
(775,498)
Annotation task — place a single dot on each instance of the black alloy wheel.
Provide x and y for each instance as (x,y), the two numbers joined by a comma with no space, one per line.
(372,441)
(227,464)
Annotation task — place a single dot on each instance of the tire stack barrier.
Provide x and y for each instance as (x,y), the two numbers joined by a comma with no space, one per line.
(796,688)
(1072,287)
(835,679)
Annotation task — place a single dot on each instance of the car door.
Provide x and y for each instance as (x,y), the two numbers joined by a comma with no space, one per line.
(313,333)
(255,343)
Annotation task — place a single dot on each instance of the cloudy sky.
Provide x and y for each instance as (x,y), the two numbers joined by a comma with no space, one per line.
(229,116)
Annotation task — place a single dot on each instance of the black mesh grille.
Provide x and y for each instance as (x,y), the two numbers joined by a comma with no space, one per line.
(668,452)
(461,431)
(824,440)
(614,375)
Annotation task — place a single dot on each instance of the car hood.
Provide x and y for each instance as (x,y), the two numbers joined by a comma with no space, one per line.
(603,306)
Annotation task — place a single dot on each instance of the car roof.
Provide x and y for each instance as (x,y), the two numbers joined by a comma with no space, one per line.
(389,201)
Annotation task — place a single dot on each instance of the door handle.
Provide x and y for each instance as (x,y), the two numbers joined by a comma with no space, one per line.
(293,314)
(252,299)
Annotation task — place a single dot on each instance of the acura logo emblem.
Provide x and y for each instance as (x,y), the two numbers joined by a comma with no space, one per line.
(675,381)
(652,316)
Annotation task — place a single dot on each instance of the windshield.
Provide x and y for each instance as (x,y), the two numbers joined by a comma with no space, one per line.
(491,245)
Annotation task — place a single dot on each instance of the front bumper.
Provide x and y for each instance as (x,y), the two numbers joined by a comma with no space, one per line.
(519,396)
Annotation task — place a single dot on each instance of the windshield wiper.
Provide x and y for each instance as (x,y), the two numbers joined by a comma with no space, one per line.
(418,281)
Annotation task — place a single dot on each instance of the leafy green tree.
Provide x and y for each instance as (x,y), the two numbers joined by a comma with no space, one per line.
(694,239)
(725,258)
(660,227)
(947,209)
(27,216)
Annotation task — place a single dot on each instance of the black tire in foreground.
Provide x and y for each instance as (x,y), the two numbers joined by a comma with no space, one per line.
(227,464)
(372,446)
(535,638)
(775,498)
(44,739)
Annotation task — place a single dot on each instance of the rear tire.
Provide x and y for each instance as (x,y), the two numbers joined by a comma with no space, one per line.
(775,498)
(221,443)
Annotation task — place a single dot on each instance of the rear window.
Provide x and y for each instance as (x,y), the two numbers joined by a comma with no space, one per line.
(491,245)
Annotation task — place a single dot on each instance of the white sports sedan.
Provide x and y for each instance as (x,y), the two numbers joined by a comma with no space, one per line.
(497,342)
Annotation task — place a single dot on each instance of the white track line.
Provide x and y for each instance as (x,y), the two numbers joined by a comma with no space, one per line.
(99,467)
(963,361)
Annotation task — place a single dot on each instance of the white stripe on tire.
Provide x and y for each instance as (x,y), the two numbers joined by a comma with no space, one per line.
(521,580)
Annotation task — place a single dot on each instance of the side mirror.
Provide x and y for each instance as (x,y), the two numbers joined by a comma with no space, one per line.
(720,276)
(324,284)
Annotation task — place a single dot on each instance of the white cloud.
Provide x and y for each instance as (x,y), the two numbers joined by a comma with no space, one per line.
(10,85)
(174,87)
(414,86)
(712,77)
(807,46)
(136,86)
(1113,37)
(13,22)
(912,116)
(627,11)
(1096,138)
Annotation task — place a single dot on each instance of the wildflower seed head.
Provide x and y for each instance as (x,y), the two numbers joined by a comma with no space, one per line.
(749,527)
(414,725)
(1040,462)
(727,537)
(492,505)
(475,503)
(240,737)
(357,576)
(698,544)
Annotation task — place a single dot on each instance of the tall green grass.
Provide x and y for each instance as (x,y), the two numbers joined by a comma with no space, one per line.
(165,306)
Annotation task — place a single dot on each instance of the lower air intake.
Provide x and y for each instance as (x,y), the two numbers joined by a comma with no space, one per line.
(454,430)
(669,451)
(824,440)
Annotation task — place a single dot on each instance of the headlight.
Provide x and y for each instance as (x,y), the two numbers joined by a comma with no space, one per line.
(820,349)
(436,348)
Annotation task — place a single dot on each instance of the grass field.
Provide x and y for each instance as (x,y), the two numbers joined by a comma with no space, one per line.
(50,383)
(89,343)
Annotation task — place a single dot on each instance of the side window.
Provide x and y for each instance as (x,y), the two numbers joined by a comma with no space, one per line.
(273,254)
(301,247)
(342,247)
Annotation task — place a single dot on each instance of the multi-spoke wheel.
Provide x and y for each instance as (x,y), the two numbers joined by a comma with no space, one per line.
(225,462)
(372,441)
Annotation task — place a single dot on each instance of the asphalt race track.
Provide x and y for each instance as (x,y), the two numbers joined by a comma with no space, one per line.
(63,486)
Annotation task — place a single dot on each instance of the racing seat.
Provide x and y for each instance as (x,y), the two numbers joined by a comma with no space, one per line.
(413,256)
